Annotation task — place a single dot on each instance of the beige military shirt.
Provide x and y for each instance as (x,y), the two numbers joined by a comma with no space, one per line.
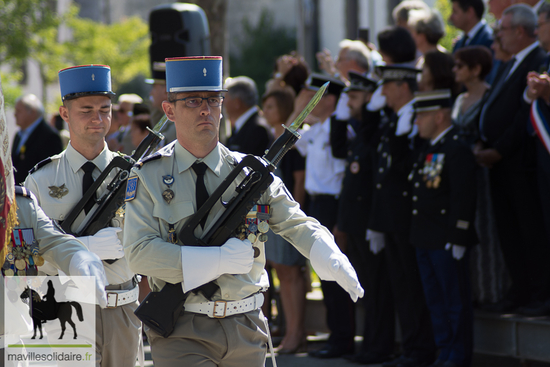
(55,246)
(58,188)
(148,217)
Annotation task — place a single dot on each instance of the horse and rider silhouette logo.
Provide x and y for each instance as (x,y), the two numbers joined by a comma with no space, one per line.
(46,308)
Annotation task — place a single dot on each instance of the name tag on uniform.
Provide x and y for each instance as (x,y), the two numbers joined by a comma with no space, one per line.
(131,188)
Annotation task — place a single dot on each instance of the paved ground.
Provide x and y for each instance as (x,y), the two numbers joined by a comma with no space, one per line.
(303,360)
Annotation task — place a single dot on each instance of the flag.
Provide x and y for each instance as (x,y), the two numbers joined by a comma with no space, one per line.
(8,216)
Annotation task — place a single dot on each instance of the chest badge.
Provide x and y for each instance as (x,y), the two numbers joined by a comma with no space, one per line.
(168,194)
(58,192)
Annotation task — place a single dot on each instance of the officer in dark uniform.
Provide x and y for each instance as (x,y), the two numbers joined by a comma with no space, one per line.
(353,209)
(389,219)
(442,226)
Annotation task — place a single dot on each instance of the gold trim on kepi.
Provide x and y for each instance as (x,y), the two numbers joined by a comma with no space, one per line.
(360,82)
(432,100)
(394,73)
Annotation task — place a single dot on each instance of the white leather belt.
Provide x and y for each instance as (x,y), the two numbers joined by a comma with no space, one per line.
(221,309)
(117,298)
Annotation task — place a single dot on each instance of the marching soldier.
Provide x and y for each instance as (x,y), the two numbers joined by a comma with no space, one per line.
(442,226)
(60,182)
(389,220)
(164,192)
(353,210)
(43,239)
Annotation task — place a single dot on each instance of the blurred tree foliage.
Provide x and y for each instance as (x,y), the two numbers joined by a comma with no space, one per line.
(30,29)
(259,48)
(451,32)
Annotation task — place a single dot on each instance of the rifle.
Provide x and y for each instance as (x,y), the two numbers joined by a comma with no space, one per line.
(160,310)
(113,198)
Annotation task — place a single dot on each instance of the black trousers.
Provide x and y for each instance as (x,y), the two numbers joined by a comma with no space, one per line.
(379,325)
(417,338)
(340,308)
(521,231)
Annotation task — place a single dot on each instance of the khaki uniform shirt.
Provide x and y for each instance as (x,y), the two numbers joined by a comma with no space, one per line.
(148,217)
(55,247)
(65,169)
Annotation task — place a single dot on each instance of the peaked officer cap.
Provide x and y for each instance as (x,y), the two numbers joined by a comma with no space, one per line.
(360,82)
(432,100)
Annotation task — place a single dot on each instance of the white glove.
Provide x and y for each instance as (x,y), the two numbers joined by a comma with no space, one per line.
(105,243)
(86,263)
(202,264)
(331,264)
(458,251)
(377,241)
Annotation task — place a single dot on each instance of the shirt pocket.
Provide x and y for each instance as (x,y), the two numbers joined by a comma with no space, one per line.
(175,212)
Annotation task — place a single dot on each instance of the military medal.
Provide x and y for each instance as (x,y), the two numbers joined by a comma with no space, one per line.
(23,256)
(263,227)
(38,260)
(256,251)
(436,181)
(252,237)
(263,237)
(354,167)
(168,194)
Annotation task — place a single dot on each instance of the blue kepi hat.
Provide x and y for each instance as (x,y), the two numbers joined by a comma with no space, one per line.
(85,80)
(194,74)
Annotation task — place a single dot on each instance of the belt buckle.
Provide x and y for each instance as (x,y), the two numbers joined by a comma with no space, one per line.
(116,299)
(224,309)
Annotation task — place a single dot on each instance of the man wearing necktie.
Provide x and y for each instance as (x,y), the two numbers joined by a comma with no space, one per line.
(228,327)
(508,151)
(36,140)
(60,182)
(538,92)
(467,15)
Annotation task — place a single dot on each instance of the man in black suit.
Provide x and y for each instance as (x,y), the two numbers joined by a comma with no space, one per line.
(467,15)
(250,133)
(442,227)
(390,214)
(510,153)
(353,209)
(36,140)
(538,93)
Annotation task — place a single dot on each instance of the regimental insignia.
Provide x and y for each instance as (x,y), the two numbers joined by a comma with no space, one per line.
(354,167)
(172,235)
(58,192)
(131,188)
(204,71)
(168,180)
(168,195)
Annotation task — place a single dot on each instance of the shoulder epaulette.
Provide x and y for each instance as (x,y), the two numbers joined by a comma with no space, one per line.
(22,191)
(40,165)
(149,158)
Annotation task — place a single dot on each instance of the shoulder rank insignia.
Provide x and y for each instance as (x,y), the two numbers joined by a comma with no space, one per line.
(22,191)
(58,192)
(149,158)
(40,165)
(131,188)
